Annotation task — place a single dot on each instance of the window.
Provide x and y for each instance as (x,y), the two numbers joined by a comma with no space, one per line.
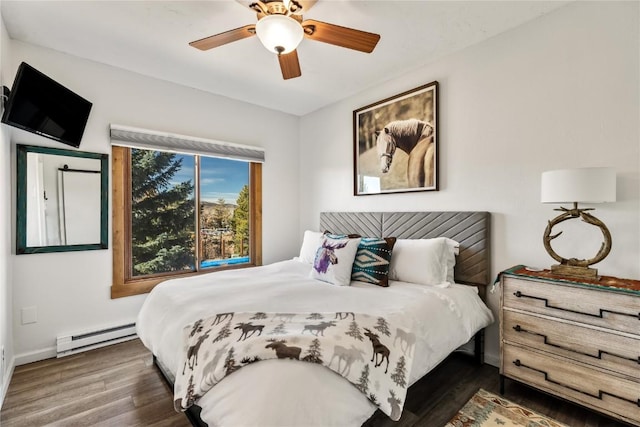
(178,214)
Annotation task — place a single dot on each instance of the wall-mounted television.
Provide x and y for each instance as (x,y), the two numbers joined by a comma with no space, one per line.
(43,106)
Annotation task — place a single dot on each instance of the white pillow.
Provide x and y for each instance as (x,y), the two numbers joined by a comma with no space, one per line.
(454,250)
(424,261)
(310,245)
(334,259)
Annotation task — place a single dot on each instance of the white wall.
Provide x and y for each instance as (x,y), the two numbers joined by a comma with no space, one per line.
(6,321)
(71,290)
(559,92)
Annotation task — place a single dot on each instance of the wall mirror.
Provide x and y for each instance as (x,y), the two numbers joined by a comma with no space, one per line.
(62,200)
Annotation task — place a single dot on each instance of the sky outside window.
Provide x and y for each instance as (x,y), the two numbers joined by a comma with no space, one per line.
(219,178)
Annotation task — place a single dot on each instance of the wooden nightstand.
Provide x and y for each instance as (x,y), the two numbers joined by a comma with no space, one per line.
(576,339)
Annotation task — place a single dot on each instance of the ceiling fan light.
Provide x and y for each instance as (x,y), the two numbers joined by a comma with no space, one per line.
(279,33)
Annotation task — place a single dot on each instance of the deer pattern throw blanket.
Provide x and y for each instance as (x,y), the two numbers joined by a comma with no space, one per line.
(359,347)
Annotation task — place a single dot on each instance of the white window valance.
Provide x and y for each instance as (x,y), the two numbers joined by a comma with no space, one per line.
(126,136)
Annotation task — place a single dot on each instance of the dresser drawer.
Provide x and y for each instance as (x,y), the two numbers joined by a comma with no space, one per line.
(613,310)
(618,353)
(607,393)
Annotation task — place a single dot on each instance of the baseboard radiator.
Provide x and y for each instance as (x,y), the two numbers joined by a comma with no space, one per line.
(72,344)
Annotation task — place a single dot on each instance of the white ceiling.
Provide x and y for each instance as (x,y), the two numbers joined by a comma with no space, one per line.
(151,38)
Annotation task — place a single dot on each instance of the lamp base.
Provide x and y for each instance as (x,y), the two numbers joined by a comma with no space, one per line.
(575,271)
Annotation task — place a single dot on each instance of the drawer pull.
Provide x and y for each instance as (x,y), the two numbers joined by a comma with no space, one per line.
(600,315)
(598,396)
(546,341)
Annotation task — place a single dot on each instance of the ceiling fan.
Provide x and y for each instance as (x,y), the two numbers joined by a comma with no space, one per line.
(280,28)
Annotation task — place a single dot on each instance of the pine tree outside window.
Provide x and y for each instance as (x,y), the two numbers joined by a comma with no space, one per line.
(172,217)
(162,212)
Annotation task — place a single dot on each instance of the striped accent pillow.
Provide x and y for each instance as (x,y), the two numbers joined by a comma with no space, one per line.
(372,260)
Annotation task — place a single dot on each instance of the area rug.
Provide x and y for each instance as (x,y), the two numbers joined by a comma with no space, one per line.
(486,409)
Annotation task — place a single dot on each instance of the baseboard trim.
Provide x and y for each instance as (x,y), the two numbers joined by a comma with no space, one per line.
(35,356)
(6,380)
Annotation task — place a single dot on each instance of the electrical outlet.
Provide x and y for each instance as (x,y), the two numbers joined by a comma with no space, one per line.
(2,363)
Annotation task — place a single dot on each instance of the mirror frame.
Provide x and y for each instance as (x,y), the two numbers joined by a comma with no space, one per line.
(21,200)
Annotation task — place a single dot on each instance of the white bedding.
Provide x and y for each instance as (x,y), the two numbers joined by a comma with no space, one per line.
(302,394)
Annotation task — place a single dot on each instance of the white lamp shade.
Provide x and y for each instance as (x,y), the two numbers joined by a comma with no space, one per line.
(279,33)
(585,185)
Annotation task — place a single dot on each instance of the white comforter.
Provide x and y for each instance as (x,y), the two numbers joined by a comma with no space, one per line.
(302,394)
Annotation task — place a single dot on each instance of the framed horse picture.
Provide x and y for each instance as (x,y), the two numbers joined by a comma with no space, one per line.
(396,143)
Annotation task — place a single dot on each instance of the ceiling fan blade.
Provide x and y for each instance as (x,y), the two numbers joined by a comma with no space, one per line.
(289,65)
(340,36)
(224,38)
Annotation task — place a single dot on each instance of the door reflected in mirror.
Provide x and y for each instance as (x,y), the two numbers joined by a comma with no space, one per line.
(62,200)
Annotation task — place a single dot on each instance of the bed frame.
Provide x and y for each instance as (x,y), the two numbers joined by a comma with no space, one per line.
(473,263)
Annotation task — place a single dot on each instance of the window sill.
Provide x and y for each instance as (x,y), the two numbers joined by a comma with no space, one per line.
(144,286)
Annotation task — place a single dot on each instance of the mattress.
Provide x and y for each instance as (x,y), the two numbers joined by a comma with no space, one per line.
(272,394)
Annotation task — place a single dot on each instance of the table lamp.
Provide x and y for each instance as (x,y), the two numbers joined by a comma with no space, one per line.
(582,185)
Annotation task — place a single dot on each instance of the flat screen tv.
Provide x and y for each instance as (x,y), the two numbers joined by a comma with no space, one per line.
(43,106)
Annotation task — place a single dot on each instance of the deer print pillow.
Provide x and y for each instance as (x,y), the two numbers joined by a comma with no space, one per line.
(334,259)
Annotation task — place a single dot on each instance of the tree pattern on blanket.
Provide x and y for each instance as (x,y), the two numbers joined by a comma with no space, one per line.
(216,347)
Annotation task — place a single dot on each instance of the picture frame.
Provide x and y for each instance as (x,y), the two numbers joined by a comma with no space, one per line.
(395,147)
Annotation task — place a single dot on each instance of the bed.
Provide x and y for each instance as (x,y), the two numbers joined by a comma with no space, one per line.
(283,392)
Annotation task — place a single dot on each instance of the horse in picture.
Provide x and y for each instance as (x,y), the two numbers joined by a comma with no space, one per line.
(414,137)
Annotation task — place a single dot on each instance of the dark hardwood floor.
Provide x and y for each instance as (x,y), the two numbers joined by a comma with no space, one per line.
(119,386)
(112,386)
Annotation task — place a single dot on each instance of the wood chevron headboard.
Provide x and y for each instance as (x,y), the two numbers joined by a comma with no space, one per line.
(470,229)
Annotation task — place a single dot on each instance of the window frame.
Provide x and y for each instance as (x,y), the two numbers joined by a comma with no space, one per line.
(123,284)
